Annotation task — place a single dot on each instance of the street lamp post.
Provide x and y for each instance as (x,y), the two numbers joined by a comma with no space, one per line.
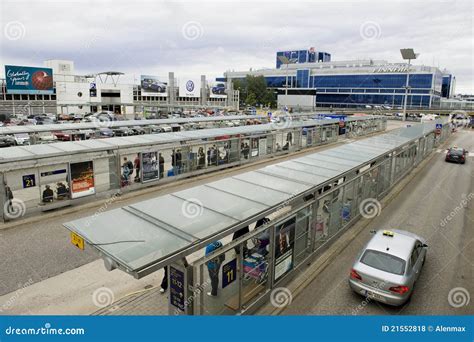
(407,54)
(285,60)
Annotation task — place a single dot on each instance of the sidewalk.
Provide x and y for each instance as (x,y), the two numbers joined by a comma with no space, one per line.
(84,290)
(147,302)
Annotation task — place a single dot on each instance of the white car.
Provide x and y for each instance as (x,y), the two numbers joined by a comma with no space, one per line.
(21,138)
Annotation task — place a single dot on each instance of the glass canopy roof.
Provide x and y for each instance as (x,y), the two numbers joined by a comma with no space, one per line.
(64,148)
(150,234)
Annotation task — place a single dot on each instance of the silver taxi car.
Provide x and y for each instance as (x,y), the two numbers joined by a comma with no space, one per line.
(388,266)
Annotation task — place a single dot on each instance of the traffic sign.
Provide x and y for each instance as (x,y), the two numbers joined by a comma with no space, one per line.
(439,126)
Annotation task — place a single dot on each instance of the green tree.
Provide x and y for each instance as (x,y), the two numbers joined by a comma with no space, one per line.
(254,91)
(251,99)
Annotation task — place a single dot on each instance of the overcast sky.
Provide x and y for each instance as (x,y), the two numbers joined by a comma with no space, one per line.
(209,37)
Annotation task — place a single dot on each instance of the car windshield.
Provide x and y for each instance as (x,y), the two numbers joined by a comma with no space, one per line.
(456,151)
(383,261)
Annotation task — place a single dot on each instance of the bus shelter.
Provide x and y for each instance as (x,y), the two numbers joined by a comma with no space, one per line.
(270,222)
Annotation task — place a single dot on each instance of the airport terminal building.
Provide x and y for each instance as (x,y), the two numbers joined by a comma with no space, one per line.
(314,80)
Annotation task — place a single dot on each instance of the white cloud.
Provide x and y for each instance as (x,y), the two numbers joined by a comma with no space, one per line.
(146,37)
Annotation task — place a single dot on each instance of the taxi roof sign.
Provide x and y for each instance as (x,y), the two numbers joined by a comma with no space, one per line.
(388,233)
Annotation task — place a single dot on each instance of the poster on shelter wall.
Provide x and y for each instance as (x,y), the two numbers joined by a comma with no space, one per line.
(82,179)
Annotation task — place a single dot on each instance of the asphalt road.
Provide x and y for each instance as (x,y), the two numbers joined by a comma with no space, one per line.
(440,190)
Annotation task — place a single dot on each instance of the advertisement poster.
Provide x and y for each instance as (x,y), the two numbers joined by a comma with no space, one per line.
(217,90)
(190,87)
(153,85)
(262,147)
(150,169)
(82,179)
(284,245)
(28,80)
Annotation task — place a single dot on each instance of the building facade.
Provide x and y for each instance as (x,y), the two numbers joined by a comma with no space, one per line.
(353,84)
(106,91)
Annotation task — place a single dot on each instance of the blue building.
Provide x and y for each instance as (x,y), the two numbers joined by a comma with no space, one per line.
(324,83)
(303,56)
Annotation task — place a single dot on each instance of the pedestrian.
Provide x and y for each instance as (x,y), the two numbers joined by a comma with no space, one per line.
(289,138)
(213,266)
(48,194)
(137,166)
(209,156)
(127,170)
(201,158)
(9,197)
(179,161)
(241,232)
(161,162)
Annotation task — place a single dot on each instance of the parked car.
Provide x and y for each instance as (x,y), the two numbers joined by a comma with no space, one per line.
(122,132)
(388,267)
(138,130)
(105,133)
(21,138)
(456,155)
(7,141)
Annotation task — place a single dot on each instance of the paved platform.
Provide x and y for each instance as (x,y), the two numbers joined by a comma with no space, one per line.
(147,302)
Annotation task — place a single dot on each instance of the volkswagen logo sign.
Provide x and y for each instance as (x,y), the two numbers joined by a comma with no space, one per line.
(190,85)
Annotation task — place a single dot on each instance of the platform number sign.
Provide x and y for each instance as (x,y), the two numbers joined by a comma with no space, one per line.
(177,288)
(229,273)
(29,181)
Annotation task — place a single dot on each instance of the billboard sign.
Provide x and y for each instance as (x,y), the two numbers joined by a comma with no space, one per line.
(284,245)
(82,179)
(150,170)
(217,90)
(28,80)
(190,87)
(153,85)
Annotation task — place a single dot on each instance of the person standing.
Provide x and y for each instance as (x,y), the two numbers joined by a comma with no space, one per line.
(127,170)
(241,232)
(213,266)
(137,166)
(201,158)
(161,162)
(179,165)
(9,198)
(164,281)
(289,139)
